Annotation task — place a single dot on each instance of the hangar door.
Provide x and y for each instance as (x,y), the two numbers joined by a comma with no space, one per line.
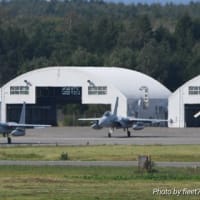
(47,99)
(190,111)
(35,114)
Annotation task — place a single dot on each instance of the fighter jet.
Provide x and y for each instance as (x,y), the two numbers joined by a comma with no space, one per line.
(113,121)
(9,129)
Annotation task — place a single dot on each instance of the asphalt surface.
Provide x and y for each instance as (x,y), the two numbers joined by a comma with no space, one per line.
(87,136)
(75,136)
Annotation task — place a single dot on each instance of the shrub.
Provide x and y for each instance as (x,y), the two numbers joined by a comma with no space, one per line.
(64,156)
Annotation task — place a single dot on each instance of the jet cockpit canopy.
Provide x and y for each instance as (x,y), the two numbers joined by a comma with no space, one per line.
(107,114)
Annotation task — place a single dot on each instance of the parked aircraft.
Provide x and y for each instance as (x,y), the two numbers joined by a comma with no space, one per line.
(113,121)
(9,129)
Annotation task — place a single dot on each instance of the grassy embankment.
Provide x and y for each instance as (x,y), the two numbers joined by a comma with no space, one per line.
(186,153)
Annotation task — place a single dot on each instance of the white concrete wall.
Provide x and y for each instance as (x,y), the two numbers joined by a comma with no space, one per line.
(176,110)
(177,101)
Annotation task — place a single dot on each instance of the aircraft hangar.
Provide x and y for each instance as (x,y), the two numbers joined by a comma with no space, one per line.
(184,103)
(43,89)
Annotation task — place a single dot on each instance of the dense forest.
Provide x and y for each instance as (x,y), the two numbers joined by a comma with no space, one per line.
(162,41)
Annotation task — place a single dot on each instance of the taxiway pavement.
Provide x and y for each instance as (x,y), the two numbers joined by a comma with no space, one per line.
(86,136)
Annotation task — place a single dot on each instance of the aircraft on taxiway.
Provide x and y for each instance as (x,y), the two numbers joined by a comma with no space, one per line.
(113,121)
(9,129)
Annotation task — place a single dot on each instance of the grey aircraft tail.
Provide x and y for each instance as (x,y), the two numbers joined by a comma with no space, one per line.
(116,106)
(19,130)
(23,114)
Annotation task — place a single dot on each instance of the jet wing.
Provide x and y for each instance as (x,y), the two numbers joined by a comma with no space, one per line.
(147,120)
(88,119)
(15,125)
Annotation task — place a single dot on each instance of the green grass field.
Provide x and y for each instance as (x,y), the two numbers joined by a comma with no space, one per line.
(95,183)
(104,152)
(92,183)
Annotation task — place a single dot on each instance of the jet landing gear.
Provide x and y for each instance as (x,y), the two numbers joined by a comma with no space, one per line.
(128,133)
(110,132)
(8,137)
(9,140)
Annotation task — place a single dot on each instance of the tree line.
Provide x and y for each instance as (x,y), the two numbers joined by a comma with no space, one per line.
(161,41)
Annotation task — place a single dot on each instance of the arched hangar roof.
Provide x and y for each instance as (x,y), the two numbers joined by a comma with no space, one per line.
(192,82)
(129,81)
(125,80)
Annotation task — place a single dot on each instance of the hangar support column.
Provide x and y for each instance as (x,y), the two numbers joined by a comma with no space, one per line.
(3,106)
(176,110)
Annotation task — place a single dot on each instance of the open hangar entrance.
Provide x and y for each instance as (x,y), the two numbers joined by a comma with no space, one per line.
(49,101)
(190,111)
(45,109)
